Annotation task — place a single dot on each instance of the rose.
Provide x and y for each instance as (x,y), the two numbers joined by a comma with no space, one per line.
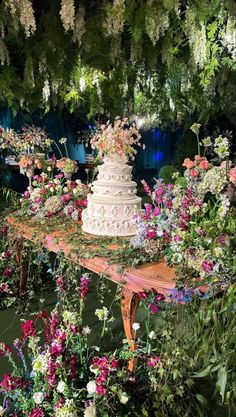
(38,397)
(188,163)
(204,164)
(91,387)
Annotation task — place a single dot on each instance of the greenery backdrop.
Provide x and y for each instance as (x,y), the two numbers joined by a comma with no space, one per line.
(165,60)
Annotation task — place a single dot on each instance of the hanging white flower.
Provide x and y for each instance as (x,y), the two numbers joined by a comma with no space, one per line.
(114,22)
(67,14)
(79,26)
(4,55)
(27,18)
(46,91)
(230,36)
(156,22)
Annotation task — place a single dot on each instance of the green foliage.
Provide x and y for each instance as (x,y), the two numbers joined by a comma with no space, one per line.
(166,172)
(169,60)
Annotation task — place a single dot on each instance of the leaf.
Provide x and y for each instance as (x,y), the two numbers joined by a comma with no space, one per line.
(221,381)
(203,373)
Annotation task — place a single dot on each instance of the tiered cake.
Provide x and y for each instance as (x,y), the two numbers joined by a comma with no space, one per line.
(113,203)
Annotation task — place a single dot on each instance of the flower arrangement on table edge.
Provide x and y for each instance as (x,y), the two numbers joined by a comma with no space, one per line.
(192,222)
(53,196)
(67,166)
(117,139)
(31,139)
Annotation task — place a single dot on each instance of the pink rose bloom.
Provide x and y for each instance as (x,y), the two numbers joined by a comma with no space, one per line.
(194,172)
(156,211)
(26,194)
(197,158)
(38,200)
(232,175)
(151,234)
(188,163)
(204,164)
(153,361)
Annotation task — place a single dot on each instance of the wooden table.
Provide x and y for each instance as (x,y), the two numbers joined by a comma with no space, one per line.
(134,280)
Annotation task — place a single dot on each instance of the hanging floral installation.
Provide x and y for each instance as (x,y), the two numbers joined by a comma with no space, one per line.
(180,47)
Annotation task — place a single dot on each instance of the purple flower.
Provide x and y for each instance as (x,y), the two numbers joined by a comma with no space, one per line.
(156,211)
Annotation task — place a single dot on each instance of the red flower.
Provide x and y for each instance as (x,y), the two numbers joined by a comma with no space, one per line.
(10,383)
(37,412)
(28,328)
(5,349)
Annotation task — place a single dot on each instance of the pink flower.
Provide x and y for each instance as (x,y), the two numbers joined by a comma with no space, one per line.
(84,285)
(151,234)
(194,172)
(197,158)
(4,287)
(153,308)
(26,194)
(10,383)
(37,412)
(156,211)
(207,266)
(7,271)
(38,200)
(232,175)
(204,164)
(61,283)
(7,254)
(28,328)
(188,163)
(153,361)
(101,390)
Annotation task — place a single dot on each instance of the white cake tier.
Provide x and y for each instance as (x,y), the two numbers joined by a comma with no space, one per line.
(113,203)
(110,217)
(114,189)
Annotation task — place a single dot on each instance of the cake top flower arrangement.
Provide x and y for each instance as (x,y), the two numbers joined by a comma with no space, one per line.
(118,138)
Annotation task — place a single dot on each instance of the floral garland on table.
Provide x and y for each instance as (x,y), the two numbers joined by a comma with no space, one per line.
(192,222)
(117,139)
(51,196)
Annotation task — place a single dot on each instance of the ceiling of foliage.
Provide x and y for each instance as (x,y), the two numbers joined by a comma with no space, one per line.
(164,60)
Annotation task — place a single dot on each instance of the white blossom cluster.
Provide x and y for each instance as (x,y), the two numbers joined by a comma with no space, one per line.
(214,181)
(4,55)
(197,40)
(46,91)
(114,22)
(27,18)
(67,14)
(221,147)
(79,27)
(230,36)
(155,23)
(24,9)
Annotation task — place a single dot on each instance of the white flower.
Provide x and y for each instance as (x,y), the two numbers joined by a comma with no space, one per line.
(49,169)
(102,313)
(152,335)
(38,398)
(40,364)
(61,387)
(63,140)
(69,316)
(1,411)
(86,330)
(90,411)
(91,387)
(124,398)
(136,326)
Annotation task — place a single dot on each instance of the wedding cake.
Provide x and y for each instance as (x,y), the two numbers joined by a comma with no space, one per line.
(113,202)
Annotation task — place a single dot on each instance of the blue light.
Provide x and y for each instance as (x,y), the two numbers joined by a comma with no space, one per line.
(158,156)
(156,134)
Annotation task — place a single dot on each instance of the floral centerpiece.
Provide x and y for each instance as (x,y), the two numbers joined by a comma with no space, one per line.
(192,223)
(117,139)
(67,166)
(50,196)
(28,163)
(35,138)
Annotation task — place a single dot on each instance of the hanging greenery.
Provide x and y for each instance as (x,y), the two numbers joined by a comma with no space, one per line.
(163,60)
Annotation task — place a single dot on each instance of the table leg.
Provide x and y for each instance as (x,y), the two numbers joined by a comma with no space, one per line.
(129,305)
(22,263)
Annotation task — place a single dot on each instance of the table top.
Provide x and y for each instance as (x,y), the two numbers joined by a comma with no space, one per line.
(145,277)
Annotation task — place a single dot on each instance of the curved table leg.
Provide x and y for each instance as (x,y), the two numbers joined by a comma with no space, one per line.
(129,305)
